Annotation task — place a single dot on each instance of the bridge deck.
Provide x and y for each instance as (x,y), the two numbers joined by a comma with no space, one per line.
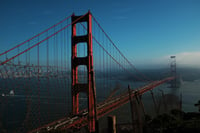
(76,122)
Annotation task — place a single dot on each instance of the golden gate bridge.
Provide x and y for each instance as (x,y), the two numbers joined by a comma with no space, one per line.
(65,75)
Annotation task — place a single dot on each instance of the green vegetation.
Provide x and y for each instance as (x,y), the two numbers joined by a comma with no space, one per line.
(174,122)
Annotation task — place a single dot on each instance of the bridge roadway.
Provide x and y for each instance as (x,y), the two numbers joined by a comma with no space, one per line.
(78,121)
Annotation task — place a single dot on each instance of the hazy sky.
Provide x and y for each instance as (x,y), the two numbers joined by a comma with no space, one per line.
(145,30)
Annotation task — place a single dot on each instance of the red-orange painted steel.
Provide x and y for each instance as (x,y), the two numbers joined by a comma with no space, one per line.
(89,87)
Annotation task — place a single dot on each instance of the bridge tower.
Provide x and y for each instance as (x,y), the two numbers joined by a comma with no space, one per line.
(173,72)
(89,87)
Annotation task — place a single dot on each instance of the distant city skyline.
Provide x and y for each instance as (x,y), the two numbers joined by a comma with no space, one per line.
(147,32)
